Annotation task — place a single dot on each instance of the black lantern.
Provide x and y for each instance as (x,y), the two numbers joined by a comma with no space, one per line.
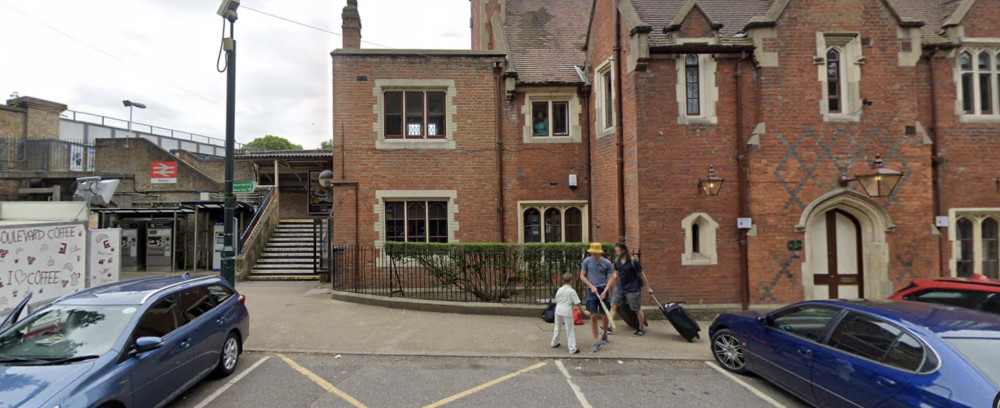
(712,185)
(881,182)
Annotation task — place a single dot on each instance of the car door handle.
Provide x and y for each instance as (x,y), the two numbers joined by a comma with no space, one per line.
(220,321)
(805,352)
(885,382)
(185,343)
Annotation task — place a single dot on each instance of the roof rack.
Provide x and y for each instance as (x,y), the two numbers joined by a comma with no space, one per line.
(185,281)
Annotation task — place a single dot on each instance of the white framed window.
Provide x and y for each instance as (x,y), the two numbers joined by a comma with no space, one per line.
(414,113)
(604,78)
(975,236)
(699,240)
(552,221)
(697,93)
(839,60)
(552,115)
(978,83)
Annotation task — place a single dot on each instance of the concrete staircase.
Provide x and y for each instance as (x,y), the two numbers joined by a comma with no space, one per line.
(288,254)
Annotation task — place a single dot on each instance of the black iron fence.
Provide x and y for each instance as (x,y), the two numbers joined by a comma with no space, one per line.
(497,273)
(45,155)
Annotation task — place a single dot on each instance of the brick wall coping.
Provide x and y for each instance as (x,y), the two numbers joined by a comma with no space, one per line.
(418,52)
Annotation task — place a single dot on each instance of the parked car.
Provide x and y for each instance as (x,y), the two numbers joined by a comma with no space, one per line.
(137,343)
(976,293)
(867,353)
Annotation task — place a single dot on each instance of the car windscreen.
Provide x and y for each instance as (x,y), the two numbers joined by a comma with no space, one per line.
(63,332)
(981,353)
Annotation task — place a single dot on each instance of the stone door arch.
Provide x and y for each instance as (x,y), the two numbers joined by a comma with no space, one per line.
(863,222)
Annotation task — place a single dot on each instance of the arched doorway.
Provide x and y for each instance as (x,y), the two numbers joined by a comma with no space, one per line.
(836,254)
(845,248)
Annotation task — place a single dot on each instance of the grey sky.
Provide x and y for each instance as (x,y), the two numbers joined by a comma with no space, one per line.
(92,54)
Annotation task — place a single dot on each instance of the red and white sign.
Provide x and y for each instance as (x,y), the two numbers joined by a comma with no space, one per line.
(163,172)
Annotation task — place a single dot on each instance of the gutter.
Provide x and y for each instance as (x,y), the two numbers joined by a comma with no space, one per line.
(935,159)
(619,123)
(700,49)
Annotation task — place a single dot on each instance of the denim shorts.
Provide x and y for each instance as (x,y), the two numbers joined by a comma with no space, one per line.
(594,302)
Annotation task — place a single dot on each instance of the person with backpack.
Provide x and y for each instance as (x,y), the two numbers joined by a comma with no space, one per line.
(566,301)
(630,279)
(594,273)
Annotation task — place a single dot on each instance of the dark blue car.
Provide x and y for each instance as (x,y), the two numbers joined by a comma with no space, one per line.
(138,343)
(867,353)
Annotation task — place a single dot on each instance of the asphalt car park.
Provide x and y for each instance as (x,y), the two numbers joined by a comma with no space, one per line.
(311,380)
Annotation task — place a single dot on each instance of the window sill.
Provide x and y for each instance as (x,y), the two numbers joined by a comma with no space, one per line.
(553,139)
(841,117)
(966,118)
(423,144)
(606,132)
(698,259)
(697,120)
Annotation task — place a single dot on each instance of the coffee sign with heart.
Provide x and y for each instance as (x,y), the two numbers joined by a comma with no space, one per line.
(32,261)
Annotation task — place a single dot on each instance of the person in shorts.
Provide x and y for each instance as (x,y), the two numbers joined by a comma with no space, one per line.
(630,280)
(594,274)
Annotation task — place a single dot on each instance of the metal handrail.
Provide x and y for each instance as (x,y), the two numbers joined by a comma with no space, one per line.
(138,127)
(252,225)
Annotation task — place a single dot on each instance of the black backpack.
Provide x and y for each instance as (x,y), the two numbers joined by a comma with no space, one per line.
(549,314)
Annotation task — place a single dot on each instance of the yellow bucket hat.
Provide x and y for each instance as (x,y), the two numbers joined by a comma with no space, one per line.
(596,248)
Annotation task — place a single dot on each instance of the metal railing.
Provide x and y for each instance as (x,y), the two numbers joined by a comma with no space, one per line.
(252,226)
(141,127)
(512,274)
(46,155)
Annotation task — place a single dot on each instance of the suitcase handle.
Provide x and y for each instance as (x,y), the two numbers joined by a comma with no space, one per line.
(661,304)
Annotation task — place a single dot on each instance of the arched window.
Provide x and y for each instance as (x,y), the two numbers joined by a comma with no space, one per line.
(553,225)
(532,226)
(966,248)
(692,85)
(985,83)
(991,252)
(965,66)
(699,240)
(834,80)
(574,224)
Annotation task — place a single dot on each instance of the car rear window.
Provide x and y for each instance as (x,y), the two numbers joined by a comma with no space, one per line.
(968,299)
(982,354)
(220,293)
(865,336)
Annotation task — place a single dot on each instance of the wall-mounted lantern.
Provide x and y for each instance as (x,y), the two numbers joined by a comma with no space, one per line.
(881,182)
(712,185)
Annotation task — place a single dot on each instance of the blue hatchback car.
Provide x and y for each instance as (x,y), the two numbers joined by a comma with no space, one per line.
(137,343)
(867,353)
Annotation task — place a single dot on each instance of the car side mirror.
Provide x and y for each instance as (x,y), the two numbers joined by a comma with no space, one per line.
(765,320)
(148,343)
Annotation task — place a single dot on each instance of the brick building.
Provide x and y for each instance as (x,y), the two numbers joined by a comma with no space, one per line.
(595,119)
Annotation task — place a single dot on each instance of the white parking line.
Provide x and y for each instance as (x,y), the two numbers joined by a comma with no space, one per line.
(749,387)
(576,389)
(208,400)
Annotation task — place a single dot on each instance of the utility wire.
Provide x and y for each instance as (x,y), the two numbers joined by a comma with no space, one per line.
(306,25)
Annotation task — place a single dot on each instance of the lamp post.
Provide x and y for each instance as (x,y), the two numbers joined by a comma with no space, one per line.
(712,185)
(881,182)
(228,11)
(131,104)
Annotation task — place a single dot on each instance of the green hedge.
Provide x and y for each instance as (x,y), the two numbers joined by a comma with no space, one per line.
(493,271)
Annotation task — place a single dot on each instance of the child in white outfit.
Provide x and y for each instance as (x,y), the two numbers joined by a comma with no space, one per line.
(566,300)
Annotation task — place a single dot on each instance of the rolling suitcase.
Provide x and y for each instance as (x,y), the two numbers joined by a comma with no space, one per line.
(682,321)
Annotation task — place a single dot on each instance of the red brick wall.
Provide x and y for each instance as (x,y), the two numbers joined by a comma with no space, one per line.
(604,154)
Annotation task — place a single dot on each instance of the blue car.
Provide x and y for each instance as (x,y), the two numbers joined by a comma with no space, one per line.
(867,353)
(137,343)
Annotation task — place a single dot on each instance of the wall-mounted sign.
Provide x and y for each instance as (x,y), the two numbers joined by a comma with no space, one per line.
(744,223)
(941,221)
(163,172)
(319,200)
(45,260)
(105,256)
(244,186)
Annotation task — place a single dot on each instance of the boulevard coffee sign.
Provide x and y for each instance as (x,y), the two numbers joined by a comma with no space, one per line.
(47,261)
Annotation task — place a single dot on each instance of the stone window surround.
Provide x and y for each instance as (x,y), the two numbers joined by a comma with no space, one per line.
(982,45)
(383,85)
(976,215)
(562,205)
(414,195)
(598,81)
(851,57)
(708,90)
(556,94)
(707,227)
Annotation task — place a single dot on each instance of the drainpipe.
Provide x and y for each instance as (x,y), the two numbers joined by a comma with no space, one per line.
(743,189)
(943,270)
(498,85)
(619,123)
(585,95)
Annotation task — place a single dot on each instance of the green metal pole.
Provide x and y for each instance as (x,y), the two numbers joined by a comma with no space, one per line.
(229,246)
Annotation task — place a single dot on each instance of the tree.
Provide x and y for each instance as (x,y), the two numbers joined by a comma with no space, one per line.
(271,142)
(326,145)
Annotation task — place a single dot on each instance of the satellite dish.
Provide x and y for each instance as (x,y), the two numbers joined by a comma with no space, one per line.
(94,190)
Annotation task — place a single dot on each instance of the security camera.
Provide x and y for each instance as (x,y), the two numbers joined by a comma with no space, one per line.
(228,9)
(868,102)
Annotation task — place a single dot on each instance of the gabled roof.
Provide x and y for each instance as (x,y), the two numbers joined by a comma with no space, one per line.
(687,9)
(546,39)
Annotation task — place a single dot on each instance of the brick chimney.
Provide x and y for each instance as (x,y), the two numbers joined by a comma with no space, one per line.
(351,25)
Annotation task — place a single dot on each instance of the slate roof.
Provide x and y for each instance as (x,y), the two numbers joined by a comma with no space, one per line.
(932,12)
(546,39)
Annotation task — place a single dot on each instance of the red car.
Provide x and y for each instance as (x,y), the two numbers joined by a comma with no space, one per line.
(977,292)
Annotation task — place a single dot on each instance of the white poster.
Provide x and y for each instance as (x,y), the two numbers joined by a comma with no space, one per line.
(46,260)
(105,256)
(76,157)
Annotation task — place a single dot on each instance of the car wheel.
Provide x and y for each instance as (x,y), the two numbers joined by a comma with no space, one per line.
(229,357)
(728,351)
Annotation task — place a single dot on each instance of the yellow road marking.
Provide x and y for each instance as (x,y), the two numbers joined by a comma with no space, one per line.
(321,382)
(484,386)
